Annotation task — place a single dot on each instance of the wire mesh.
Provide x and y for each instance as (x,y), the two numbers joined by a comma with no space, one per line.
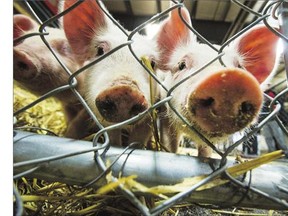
(101,140)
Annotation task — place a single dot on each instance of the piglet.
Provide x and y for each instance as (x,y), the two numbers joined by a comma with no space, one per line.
(37,70)
(34,65)
(116,88)
(218,101)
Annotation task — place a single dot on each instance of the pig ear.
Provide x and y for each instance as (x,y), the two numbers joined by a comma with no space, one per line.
(258,47)
(81,24)
(173,32)
(22,23)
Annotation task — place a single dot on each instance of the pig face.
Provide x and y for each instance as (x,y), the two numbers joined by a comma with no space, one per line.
(117,87)
(35,67)
(219,100)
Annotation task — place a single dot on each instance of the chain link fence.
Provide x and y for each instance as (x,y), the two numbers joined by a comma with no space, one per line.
(60,159)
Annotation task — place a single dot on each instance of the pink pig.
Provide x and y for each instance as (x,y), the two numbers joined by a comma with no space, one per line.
(34,65)
(218,101)
(116,88)
(37,70)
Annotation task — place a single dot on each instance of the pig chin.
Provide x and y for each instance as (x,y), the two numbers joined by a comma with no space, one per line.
(212,129)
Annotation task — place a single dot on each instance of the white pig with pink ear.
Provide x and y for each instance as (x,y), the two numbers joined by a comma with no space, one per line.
(37,70)
(218,101)
(117,87)
(35,67)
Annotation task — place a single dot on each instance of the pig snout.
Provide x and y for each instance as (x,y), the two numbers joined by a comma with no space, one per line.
(25,67)
(225,102)
(121,102)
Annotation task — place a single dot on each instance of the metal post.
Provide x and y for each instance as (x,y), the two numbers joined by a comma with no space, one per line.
(283,21)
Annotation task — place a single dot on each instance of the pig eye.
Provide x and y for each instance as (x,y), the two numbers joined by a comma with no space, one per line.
(182,65)
(100,51)
(153,64)
(102,48)
(238,65)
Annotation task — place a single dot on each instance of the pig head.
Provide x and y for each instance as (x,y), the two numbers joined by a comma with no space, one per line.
(219,100)
(117,87)
(36,69)
(34,65)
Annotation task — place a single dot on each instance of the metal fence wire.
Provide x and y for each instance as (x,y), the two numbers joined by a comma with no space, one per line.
(27,145)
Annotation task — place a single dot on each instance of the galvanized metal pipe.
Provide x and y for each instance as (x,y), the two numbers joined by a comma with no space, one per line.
(152,169)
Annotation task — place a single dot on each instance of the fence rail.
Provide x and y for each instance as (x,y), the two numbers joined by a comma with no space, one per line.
(80,169)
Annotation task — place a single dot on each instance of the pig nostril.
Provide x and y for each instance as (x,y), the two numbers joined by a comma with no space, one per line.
(106,107)
(22,65)
(206,102)
(201,104)
(247,108)
(136,109)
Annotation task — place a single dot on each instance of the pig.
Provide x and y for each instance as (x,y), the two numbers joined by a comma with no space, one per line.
(37,70)
(35,67)
(116,88)
(218,101)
